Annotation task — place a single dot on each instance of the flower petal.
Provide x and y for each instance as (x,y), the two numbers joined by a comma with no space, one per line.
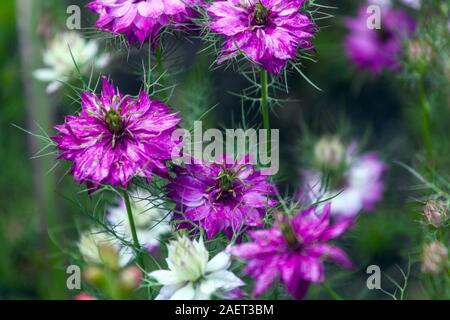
(186,293)
(165,277)
(220,262)
(167,292)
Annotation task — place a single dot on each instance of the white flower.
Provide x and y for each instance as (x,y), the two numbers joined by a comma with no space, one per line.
(97,247)
(191,275)
(59,57)
(150,216)
(362,186)
(415,4)
(384,4)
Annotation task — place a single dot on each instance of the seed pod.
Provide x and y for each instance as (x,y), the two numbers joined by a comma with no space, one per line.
(435,213)
(94,276)
(130,278)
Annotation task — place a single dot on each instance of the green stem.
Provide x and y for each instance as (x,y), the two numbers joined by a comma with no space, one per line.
(265,106)
(331,292)
(426,120)
(161,72)
(137,246)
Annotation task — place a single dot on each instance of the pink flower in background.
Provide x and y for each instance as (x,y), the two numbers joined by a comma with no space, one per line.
(117,137)
(378,49)
(140,20)
(269,32)
(293,250)
(362,186)
(221,196)
(84,296)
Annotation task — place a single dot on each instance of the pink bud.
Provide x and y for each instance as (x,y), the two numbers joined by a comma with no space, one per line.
(84,296)
(435,213)
(130,278)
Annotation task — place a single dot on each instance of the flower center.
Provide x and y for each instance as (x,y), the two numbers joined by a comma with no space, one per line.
(384,35)
(114,121)
(260,14)
(226,184)
(289,235)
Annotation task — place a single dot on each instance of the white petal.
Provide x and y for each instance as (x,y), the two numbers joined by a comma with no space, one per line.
(209,286)
(220,262)
(224,280)
(102,61)
(200,295)
(45,74)
(90,50)
(185,293)
(125,256)
(53,87)
(165,277)
(167,292)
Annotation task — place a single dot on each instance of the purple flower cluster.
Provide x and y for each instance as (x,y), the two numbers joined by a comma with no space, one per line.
(378,49)
(226,195)
(268,32)
(294,250)
(116,137)
(140,20)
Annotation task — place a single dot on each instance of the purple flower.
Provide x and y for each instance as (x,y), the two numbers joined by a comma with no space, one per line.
(140,19)
(116,137)
(378,49)
(224,196)
(293,250)
(361,189)
(268,32)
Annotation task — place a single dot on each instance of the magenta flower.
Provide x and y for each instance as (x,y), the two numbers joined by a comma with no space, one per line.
(116,137)
(378,49)
(140,19)
(294,250)
(221,196)
(268,32)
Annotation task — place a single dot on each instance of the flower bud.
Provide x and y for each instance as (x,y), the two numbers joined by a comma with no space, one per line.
(94,276)
(84,296)
(435,213)
(329,152)
(109,255)
(97,248)
(434,258)
(130,278)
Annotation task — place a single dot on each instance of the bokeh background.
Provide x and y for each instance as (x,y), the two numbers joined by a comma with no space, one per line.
(39,222)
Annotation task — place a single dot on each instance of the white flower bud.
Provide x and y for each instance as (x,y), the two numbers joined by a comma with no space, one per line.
(434,258)
(329,152)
